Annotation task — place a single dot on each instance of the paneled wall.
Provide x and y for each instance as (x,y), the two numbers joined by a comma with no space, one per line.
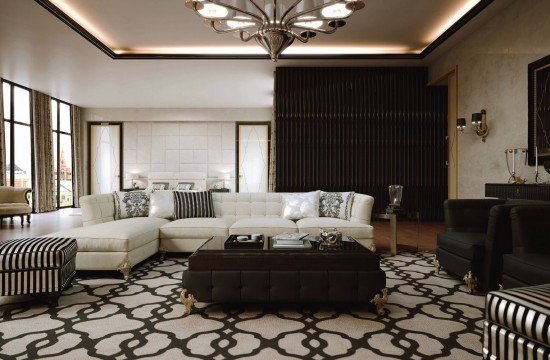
(207,147)
(492,75)
(362,129)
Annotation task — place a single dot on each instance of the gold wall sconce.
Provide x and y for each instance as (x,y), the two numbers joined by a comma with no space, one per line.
(479,121)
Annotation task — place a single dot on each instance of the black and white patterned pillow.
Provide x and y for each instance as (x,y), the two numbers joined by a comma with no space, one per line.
(193,204)
(336,204)
(131,204)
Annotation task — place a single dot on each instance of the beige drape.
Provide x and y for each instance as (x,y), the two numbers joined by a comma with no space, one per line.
(78,172)
(2,140)
(44,184)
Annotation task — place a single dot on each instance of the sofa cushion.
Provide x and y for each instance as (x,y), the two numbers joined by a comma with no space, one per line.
(268,226)
(468,245)
(15,209)
(193,204)
(195,228)
(300,205)
(121,235)
(529,268)
(335,204)
(161,204)
(129,204)
(353,229)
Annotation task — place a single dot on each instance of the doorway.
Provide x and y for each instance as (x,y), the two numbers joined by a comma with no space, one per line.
(253,141)
(450,80)
(104,157)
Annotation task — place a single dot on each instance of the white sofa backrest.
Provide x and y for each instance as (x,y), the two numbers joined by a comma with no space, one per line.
(98,209)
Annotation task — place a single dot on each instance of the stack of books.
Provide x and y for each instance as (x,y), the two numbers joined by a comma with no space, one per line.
(290,241)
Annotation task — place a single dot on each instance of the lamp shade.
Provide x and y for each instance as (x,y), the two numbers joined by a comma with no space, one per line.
(461,123)
(476,118)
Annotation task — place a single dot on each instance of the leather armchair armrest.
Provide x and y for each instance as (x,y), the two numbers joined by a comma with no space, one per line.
(530,229)
(468,215)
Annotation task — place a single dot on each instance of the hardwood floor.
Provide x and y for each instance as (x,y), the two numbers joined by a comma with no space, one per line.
(41,224)
(421,236)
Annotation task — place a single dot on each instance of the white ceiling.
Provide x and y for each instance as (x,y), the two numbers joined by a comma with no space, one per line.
(39,51)
(383,26)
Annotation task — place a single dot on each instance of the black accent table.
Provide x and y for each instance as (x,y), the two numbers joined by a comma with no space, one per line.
(518,191)
(350,274)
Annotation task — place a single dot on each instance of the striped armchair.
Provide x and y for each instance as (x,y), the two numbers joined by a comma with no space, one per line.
(14,202)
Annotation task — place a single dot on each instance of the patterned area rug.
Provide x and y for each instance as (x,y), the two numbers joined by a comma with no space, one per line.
(429,316)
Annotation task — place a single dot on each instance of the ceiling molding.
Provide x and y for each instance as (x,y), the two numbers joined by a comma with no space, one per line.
(54,10)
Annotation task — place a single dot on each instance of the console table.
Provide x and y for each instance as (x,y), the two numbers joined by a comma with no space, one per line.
(518,191)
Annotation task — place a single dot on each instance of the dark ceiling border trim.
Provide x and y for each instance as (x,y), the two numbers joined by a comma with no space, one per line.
(54,10)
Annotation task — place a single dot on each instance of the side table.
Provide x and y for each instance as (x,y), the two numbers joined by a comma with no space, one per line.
(393,229)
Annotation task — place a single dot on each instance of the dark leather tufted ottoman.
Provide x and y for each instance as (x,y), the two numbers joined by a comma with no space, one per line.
(348,275)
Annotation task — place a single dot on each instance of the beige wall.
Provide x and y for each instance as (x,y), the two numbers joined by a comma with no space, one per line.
(492,75)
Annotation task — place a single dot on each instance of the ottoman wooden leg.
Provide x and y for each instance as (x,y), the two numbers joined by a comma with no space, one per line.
(22,220)
(471,282)
(188,302)
(380,301)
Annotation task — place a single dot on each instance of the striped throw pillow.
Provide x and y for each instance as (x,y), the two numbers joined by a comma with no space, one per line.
(193,204)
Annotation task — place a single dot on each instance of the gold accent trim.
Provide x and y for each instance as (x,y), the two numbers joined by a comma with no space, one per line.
(437,265)
(125,267)
(188,302)
(372,247)
(379,301)
(500,287)
(471,282)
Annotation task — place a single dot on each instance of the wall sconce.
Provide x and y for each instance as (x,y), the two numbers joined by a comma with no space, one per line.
(461,124)
(479,121)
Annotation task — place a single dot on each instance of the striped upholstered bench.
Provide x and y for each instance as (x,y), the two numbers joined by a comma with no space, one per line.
(517,323)
(37,266)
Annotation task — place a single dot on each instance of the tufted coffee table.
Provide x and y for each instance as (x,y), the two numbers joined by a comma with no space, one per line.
(350,274)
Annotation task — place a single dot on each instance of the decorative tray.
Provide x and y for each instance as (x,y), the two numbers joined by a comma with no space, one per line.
(234,242)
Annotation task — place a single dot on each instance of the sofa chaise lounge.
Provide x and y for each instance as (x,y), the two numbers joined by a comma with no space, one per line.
(108,244)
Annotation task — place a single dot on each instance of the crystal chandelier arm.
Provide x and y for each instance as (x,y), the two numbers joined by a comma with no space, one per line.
(259,9)
(315,8)
(221,31)
(290,8)
(255,17)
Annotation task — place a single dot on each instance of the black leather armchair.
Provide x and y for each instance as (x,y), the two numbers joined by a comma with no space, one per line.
(461,248)
(477,235)
(529,262)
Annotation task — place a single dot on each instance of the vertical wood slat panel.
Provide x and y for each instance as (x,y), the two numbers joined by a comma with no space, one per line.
(362,129)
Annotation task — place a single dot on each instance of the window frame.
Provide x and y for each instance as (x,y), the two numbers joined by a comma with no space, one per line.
(57,133)
(12,123)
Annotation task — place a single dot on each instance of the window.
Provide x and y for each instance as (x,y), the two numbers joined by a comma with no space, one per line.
(18,135)
(63,153)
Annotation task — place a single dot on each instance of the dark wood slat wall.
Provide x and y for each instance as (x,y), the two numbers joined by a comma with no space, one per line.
(362,129)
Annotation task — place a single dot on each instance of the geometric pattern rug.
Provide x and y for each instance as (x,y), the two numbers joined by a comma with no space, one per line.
(102,317)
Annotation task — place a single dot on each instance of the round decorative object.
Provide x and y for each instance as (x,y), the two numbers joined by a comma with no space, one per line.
(330,237)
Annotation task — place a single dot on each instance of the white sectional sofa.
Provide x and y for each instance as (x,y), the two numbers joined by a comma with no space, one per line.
(108,244)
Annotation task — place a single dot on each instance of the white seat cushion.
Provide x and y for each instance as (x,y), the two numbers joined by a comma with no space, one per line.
(195,228)
(353,229)
(121,235)
(268,226)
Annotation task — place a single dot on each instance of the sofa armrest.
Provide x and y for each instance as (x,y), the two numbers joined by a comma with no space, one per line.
(97,209)
(15,195)
(468,215)
(361,208)
(530,229)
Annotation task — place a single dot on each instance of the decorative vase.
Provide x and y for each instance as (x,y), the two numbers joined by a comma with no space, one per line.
(518,159)
(330,237)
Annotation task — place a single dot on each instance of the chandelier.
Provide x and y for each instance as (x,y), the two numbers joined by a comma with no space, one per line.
(275,24)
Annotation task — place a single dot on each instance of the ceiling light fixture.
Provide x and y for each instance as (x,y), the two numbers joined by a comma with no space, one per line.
(276,24)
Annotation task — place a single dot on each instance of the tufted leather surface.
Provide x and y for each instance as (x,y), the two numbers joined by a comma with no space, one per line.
(97,209)
(283,286)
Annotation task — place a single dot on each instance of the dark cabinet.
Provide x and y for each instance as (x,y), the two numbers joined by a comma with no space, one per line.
(517,191)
